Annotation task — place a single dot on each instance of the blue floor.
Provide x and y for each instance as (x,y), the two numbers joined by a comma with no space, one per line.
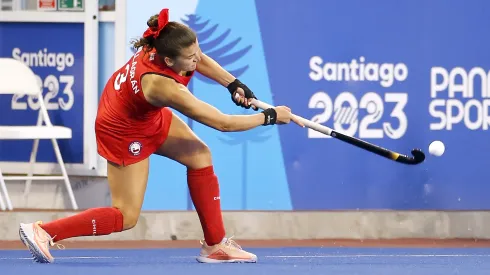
(272,261)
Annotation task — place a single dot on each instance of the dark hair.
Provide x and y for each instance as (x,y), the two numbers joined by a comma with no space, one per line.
(172,39)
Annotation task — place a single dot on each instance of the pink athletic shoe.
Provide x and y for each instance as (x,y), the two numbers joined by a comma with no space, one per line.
(228,251)
(37,241)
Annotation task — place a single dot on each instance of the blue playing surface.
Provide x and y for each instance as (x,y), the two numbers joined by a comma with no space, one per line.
(272,261)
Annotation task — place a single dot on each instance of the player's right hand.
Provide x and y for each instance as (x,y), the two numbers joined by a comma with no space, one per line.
(284,116)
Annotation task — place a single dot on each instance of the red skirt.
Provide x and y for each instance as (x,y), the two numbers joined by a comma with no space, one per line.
(124,144)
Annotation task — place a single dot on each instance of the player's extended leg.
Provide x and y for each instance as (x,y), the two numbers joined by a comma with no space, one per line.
(127,185)
(183,146)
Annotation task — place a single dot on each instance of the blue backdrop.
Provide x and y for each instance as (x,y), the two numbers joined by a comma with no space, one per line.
(395,73)
(388,72)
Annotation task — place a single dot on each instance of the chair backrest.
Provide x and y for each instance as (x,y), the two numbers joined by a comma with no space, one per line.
(17,78)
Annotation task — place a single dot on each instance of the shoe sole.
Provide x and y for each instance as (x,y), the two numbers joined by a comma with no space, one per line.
(207,260)
(37,255)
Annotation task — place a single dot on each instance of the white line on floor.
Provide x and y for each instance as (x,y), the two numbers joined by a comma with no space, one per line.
(356,256)
(374,256)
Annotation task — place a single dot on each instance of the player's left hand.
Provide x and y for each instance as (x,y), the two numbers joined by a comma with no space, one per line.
(241,95)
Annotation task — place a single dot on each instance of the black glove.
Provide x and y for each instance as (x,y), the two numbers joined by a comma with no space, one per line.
(270,116)
(232,88)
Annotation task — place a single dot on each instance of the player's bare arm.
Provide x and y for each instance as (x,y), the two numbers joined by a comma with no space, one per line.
(212,70)
(163,91)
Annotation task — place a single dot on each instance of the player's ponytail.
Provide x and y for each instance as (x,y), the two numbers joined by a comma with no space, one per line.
(147,42)
(168,38)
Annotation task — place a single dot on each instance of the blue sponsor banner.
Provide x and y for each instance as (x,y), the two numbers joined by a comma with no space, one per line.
(398,74)
(55,53)
(395,73)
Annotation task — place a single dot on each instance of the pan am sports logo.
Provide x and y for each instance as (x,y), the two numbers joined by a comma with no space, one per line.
(460,97)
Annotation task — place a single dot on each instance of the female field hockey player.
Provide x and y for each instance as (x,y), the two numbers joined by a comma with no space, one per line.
(134,120)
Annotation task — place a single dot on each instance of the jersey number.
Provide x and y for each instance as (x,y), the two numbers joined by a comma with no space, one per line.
(120,78)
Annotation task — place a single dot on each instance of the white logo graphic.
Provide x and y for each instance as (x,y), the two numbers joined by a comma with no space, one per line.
(135,148)
(345,113)
(465,98)
(57,88)
(44,58)
(361,115)
(385,73)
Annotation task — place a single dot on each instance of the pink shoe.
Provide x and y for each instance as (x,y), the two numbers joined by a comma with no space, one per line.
(228,251)
(37,241)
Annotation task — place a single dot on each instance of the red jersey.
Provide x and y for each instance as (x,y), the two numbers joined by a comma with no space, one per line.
(128,128)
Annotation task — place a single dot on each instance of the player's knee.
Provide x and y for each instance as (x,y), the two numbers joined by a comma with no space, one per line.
(205,151)
(202,157)
(130,217)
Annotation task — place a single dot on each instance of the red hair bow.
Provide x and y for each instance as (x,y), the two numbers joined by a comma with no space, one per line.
(162,22)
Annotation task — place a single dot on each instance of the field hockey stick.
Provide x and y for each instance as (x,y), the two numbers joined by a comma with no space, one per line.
(418,155)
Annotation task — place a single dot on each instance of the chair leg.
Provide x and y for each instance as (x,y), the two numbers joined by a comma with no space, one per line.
(3,186)
(65,174)
(2,203)
(32,160)
(35,147)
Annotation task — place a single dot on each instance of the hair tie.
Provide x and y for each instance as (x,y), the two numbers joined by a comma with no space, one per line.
(162,22)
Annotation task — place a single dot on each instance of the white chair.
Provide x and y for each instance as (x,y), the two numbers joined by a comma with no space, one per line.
(17,78)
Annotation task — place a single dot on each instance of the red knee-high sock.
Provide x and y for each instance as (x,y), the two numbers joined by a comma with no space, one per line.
(91,222)
(204,191)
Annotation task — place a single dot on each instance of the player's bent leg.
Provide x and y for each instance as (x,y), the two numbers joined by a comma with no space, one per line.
(183,146)
(127,185)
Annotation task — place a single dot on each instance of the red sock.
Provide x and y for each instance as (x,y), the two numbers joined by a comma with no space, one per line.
(204,191)
(91,222)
